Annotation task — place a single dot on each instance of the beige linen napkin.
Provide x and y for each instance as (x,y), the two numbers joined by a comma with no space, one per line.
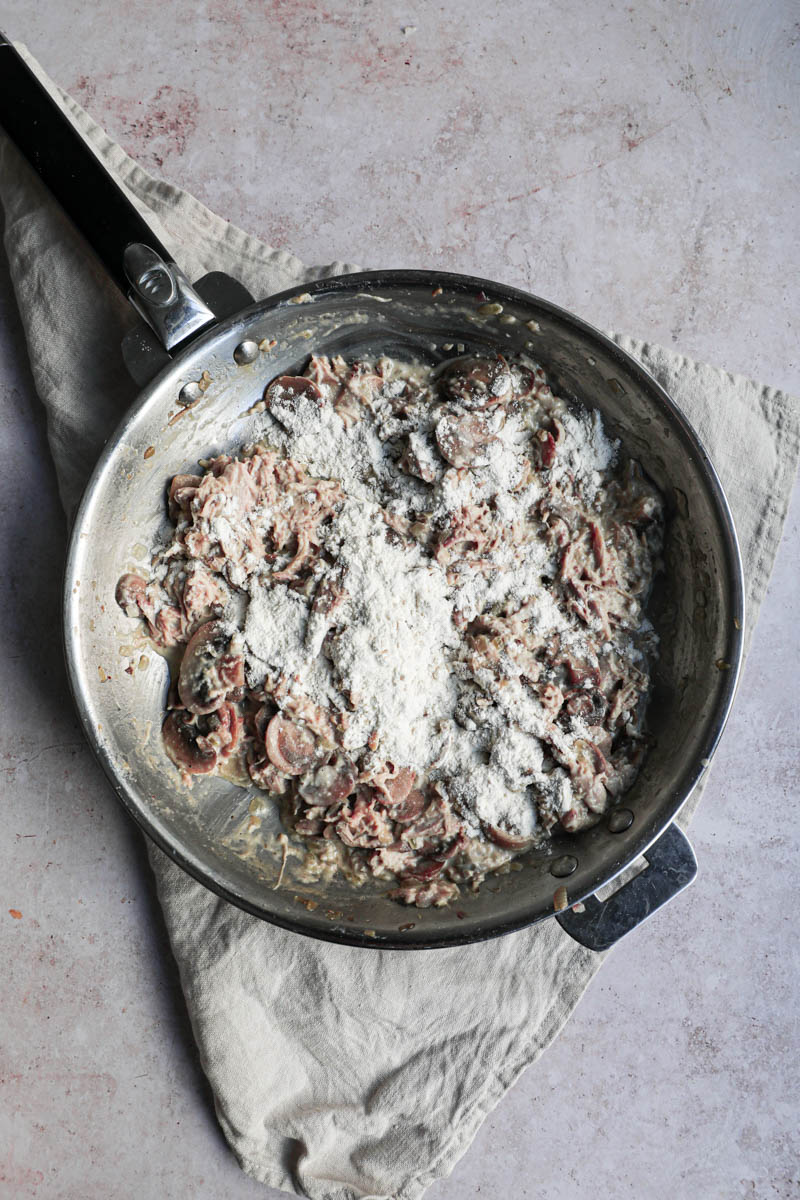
(341,1073)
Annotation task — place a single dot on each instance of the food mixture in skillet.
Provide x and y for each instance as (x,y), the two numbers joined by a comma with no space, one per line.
(412,614)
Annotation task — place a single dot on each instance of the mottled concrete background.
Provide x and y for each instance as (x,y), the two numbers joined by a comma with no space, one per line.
(636,163)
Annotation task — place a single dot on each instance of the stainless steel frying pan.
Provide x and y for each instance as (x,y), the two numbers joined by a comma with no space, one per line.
(203,354)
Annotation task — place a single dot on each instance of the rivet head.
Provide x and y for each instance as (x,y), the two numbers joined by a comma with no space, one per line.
(620,820)
(563,866)
(190,393)
(246,352)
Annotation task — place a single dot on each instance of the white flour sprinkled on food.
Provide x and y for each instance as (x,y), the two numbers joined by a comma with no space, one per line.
(391,653)
(275,632)
(434,646)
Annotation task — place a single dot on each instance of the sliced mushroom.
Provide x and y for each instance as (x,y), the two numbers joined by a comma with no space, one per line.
(285,395)
(292,385)
(186,744)
(181,490)
(508,841)
(398,787)
(212,666)
(477,383)
(329,784)
(290,746)
(410,807)
(461,438)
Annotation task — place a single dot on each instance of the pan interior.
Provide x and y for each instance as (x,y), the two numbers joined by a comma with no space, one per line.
(697,608)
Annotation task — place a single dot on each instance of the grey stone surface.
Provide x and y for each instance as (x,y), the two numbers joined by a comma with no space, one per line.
(637,164)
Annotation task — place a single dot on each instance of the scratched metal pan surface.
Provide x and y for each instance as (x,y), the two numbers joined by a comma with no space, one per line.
(697,606)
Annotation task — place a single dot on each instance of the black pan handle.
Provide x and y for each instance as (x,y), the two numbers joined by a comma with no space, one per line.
(600,923)
(127,247)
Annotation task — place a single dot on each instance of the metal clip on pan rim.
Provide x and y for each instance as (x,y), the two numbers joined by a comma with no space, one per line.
(163,296)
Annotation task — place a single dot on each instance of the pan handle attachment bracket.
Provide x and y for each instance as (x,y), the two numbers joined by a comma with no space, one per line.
(163,296)
(142,350)
(671,867)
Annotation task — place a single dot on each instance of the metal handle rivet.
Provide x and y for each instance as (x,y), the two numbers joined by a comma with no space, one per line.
(563,866)
(245,352)
(620,820)
(190,393)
